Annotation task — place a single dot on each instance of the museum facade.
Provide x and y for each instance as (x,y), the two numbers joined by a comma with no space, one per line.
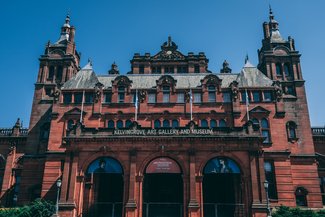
(168,138)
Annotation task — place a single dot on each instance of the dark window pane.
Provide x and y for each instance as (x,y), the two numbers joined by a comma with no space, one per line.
(157,124)
(108,97)
(119,124)
(128,123)
(204,123)
(67,98)
(78,98)
(166,123)
(226,97)
(196,69)
(213,123)
(89,97)
(110,124)
(256,96)
(270,177)
(267,96)
(278,69)
(175,123)
(51,73)
(222,123)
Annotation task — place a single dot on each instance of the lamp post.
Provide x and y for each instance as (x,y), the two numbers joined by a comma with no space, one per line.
(266,186)
(58,184)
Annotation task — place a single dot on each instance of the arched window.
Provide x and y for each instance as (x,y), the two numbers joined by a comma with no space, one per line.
(175,123)
(128,123)
(278,69)
(51,73)
(291,130)
(265,129)
(110,124)
(59,73)
(157,124)
(212,93)
(70,124)
(119,124)
(222,123)
(121,94)
(213,123)
(166,94)
(166,123)
(287,70)
(204,123)
(301,196)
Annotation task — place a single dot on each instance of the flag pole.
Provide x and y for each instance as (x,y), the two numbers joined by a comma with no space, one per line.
(247,104)
(136,105)
(82,106)
(191,102)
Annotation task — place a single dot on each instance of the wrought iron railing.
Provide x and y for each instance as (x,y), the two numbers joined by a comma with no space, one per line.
(223,210)
(105,209)
(153,209)
(318,131)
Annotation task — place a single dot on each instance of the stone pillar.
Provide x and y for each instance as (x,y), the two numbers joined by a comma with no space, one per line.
(193,205)
(131,205)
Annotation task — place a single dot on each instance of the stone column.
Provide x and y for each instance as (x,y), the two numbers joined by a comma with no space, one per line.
(193,205)
(131,206)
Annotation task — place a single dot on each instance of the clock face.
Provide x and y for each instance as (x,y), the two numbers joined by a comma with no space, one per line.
(169,52)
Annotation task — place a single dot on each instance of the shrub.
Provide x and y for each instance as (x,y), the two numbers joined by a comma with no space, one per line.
(39,208)
(284,211)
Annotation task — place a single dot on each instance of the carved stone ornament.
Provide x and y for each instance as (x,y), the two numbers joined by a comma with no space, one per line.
(122,80)
(98,91)
(142,95)
(211,79)
(278,90)
(167,80)
(56,94)
(169,55)
(234,90)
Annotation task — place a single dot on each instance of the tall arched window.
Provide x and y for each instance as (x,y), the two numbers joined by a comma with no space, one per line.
(166,94)
(119,124)
(213,123)
(157,124)
(278,69)
(287,70)
(121,94)
(222,123)
(175,123)
(301,196)
(212,93)
(204,123)
(110,124)
(291,130)
(166,123)
(128,123)
(265,129)
(51,73)
(59,73)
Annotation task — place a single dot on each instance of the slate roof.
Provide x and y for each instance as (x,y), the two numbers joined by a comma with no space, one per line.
(249,76)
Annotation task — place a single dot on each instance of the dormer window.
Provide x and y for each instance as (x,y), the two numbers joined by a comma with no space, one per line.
(89,98)
(267,96)
(166,94)
(211,93)
(78,98)
(121,94)
(67,98)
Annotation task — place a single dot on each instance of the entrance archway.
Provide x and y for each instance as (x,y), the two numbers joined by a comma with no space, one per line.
(222,194)
(163,189)
(104,188)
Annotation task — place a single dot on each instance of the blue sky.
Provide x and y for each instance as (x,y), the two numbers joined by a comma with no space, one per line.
(114,30)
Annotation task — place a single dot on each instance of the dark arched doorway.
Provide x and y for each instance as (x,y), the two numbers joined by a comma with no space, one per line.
(222,194)
(104,188)
(163,189)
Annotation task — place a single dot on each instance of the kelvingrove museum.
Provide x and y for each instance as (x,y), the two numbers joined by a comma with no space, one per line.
(171,137)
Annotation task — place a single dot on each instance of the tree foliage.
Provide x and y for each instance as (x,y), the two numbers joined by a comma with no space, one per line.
(284,211)
(39,208)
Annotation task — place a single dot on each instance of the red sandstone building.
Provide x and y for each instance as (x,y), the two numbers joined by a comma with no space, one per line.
(169,138)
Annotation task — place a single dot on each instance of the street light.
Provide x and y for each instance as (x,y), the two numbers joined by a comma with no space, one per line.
(58,184)
(266,186)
